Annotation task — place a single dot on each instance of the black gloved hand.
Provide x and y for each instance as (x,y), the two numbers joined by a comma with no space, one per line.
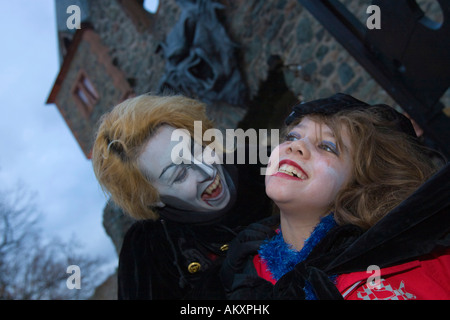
(244,246)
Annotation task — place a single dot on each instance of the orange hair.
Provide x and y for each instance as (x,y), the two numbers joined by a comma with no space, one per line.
(120,138)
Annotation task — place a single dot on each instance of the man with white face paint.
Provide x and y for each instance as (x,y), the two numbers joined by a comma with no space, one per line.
(185,182)
(189,206)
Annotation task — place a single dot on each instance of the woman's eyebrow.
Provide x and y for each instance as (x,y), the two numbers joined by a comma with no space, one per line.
(326,130)
(299,126)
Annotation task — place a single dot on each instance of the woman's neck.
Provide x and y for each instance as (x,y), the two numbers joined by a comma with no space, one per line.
(297,228)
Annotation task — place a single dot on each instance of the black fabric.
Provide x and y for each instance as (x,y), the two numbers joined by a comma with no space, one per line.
(322,286)
(248,285)
(244,245)
(414,228)
(341,101)
(418,226)
(155,255)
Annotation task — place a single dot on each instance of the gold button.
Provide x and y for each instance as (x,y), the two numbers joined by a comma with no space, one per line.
(224,247)
(194,267)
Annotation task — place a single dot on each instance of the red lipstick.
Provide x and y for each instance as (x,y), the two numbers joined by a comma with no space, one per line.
(293,164)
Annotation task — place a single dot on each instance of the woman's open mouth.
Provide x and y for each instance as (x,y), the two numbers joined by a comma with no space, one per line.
(291,169)
(213,191)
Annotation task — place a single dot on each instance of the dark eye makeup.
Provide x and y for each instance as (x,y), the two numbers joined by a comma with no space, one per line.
(324,145)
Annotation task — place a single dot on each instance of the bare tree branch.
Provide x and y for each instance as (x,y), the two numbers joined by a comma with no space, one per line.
(32,267)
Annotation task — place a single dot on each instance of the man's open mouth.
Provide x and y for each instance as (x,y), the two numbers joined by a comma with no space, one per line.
(214,190)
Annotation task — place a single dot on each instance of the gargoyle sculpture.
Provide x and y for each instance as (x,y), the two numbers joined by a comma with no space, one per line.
(200,57)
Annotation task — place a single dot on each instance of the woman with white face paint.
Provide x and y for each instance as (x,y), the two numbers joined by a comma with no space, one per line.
(188,208)
(346,181)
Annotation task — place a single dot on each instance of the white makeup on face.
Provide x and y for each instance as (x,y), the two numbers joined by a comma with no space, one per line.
(308,170)
(192,185)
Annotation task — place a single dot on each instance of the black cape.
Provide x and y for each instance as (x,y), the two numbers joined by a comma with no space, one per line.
(166,259)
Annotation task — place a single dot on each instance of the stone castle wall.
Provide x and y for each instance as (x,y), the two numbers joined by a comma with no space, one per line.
(312,63)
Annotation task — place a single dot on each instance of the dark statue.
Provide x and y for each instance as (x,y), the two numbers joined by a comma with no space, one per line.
(200,57)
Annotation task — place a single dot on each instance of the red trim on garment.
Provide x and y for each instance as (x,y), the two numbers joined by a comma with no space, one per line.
(262,270)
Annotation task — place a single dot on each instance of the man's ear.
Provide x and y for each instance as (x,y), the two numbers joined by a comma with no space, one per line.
(158,204)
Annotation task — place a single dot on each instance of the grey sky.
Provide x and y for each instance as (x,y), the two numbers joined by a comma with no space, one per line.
(38,149)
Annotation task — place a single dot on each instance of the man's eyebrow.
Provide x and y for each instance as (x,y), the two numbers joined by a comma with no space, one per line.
(166,168)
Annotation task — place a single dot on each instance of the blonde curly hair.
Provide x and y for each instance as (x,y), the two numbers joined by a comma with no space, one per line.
(120,139)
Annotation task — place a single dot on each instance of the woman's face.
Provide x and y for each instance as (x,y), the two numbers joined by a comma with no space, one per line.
(306,171)
(192,185)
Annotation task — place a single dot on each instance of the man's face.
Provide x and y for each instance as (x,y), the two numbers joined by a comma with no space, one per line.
(193,185)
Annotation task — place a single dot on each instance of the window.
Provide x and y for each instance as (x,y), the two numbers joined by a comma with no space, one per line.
(85,94)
